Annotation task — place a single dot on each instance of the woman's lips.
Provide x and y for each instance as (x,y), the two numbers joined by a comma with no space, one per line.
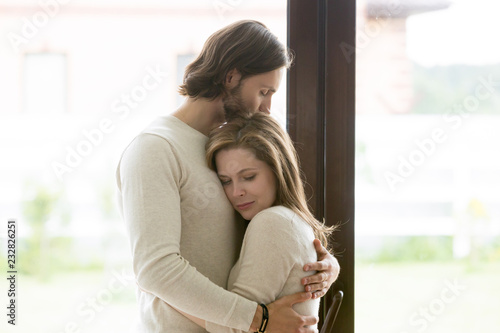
(245,205)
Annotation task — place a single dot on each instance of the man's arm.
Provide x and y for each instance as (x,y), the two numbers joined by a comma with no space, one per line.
(327,268)
(282,317)
(148,179)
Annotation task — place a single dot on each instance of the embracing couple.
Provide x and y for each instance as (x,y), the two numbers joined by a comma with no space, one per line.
(221,234)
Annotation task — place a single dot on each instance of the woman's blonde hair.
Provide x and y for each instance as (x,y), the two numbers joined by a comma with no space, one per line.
(271,144)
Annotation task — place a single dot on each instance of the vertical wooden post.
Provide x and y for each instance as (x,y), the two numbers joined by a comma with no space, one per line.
(321,118)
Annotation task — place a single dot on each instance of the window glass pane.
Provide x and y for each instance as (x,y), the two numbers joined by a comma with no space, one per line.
(427,217)
(45,84)
(82,79)
(182,61)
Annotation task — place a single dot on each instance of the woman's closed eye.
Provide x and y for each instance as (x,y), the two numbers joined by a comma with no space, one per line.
(248,178)
(226,181)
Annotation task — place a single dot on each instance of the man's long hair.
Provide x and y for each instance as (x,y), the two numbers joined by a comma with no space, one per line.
(247,46)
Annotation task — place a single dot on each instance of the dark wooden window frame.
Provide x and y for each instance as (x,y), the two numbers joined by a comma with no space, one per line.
(321,119)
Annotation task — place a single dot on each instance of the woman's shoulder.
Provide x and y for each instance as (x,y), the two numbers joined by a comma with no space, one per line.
(279,213)
(281,225)
(278,217)
(273,217)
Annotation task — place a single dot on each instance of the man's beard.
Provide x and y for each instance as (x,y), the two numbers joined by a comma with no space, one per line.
(234,106)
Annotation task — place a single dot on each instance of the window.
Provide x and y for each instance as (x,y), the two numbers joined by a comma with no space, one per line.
(62,148)
(427,222)
(45,86)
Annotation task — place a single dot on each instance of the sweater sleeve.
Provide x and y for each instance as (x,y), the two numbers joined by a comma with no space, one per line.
(149,181)
(267,256)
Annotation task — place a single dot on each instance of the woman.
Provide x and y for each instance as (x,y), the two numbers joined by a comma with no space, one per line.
(257,165)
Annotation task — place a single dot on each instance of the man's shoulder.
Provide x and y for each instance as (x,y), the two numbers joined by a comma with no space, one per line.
(161,133)
(153,143)
(163,127)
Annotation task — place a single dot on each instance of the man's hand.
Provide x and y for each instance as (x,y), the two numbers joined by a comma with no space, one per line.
(327,268)
(282,318)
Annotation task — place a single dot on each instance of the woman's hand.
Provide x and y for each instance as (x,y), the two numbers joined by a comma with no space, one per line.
(327,268)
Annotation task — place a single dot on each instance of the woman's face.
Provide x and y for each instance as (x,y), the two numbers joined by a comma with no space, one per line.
(249,183)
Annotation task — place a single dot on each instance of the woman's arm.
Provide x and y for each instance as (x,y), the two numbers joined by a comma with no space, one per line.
(271,260)
(319,283)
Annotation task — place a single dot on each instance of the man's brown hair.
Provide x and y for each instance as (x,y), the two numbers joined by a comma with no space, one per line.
(247,46)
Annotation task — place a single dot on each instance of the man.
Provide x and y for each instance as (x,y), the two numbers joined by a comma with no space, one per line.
(182,229)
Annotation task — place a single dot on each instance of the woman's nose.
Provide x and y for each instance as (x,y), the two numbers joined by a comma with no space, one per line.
(238,190)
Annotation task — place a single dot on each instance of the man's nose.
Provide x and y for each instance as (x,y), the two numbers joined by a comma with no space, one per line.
(265,106)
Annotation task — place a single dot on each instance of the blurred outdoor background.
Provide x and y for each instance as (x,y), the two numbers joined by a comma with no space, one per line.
(79,79)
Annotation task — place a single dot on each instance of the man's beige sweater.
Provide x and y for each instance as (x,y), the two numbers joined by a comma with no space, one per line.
(182,231)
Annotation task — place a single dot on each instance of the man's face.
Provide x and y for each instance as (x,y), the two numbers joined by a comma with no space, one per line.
(253,93)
